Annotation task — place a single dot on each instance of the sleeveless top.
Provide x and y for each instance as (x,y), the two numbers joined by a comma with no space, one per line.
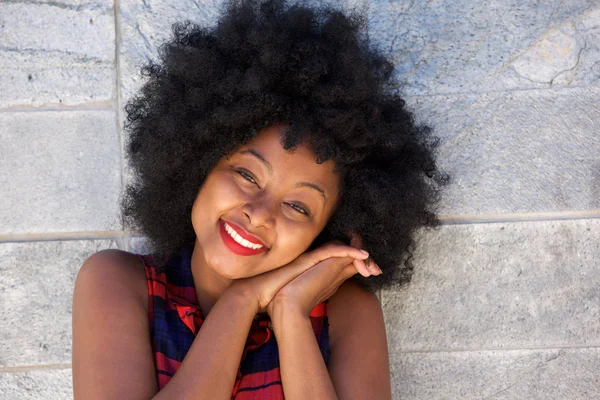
(175,319)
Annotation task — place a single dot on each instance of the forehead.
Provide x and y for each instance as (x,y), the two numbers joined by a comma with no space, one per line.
(299,164)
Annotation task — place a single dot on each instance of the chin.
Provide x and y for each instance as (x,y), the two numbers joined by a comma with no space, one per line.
(228,273)
(230,269)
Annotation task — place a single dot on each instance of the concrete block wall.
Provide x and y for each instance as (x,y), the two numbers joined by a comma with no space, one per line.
(505,301)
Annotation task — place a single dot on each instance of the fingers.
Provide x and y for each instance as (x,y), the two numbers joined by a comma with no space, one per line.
(335,250)
(367,266)
(363,264)
(373,267)
(353,257)
(307,260)
(361,267)
(366,269)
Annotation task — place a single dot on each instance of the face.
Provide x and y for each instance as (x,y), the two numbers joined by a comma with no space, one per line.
(262,206)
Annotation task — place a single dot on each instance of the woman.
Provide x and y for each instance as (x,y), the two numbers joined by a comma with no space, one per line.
(269,152)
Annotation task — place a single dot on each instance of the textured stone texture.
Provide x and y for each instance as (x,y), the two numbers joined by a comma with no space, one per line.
(36,290)
(56,53)
(526,151)
(147,24)
(60,171)
(144,25)
(519,374)
(46,384)
(528,284)
(450,47)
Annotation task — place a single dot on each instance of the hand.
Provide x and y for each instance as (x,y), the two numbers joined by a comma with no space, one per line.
(320,282)
(261,289)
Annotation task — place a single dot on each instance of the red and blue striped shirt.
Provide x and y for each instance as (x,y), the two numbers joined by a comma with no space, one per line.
(175,319)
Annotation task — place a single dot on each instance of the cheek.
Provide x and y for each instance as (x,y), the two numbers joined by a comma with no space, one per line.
(218,193)
(292,240)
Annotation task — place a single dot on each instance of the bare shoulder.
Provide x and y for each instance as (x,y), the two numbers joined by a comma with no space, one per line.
(350,290)
(350,305)
(358,365)
(112,351)
(114,270)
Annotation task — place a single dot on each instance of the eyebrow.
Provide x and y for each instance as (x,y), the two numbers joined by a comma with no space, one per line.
(258,156)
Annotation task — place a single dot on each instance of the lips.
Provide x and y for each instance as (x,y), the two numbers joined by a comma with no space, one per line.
(236,247)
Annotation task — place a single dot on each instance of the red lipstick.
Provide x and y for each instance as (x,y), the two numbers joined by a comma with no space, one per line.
(236,247)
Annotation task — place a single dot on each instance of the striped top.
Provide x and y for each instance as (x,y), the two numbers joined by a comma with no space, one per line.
(175,319)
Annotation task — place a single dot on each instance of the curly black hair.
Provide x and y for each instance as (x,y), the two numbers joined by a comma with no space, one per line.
(310,68)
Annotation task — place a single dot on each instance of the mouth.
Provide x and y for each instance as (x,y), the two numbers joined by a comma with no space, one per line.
(239,241)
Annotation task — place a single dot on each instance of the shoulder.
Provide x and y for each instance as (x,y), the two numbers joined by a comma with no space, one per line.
(109,323)
(352,306)
(113,272)
(358,365)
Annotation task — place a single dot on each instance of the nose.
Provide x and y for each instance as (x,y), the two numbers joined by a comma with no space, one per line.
(260,211)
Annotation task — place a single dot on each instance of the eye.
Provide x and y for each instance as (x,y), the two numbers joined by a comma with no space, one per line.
(298,208)
(247,176)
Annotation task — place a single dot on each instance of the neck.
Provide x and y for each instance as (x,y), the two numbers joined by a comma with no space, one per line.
(209,285)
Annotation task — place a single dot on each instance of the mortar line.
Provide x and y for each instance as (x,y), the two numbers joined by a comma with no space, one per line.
(56,236)
(518,217)
(90,106)
(26,368)
(473,350)
(514,90)
(118,114)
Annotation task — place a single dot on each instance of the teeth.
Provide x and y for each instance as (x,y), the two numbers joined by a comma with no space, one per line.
(240,239)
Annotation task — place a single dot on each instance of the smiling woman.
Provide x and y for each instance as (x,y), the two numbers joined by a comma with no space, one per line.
(279,180)
(278,199)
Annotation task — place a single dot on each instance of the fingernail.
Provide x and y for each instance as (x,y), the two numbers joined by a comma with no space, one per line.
(375,269)
(366,253)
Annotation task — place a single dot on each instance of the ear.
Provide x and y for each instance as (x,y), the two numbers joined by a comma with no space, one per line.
(355,240)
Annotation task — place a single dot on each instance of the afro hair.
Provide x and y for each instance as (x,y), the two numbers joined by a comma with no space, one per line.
(310,68)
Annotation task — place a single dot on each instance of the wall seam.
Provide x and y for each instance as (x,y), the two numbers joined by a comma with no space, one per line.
(26,368)
(466,350)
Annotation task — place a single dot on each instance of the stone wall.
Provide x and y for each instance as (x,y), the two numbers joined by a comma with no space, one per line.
(505,301)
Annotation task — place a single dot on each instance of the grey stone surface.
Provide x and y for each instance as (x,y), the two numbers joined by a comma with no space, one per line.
(36,290)
(61,171)
(516,375)
(46,384)
(147,24)
(527,284)
(57,53)
(442,47)
(144,25)
(525,151)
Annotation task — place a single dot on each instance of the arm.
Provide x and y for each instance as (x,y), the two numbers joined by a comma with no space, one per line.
(209,368)
(358,367)
(303,371)
(359,362)
(112,353)
(112,357)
